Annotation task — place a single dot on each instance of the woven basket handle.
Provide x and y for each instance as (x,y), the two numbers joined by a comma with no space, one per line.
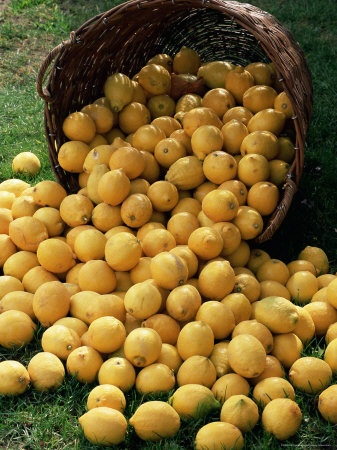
(42,90)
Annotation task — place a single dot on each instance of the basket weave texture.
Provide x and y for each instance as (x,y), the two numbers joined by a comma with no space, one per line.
(125,37)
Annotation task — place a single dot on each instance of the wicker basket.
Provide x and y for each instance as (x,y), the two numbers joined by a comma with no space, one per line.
(125,37)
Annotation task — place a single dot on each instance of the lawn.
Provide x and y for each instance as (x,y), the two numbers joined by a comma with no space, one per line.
(49,420)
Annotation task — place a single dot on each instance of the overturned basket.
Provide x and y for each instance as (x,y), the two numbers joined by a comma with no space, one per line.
(125,37)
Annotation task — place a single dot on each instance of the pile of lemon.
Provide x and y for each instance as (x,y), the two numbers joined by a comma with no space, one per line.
(146,277)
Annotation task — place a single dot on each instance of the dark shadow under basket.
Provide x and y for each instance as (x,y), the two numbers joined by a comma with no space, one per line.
(125,37)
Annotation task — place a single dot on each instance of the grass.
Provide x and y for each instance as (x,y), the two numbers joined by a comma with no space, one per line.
(49,420)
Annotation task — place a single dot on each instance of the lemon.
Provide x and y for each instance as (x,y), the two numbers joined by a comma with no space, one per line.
(332,292)
(239,305)
(26,162)
(287,348)
(273,368)
(277,313)
(219,317)
(169,355)
(106,395)
(19,301)
(241,411)
(305,327)
(282,417)
(197,369)
(323,315)
(257,329)
(195,338)
(106,334)
(317,256)
(117,371)
(219,436)
(60,340)
(193,401)
(302,286)
(46,371)
(220,359)
(16,328)
(156,377)
(14,378)
(246,355)
(331,333)
(155,420)
(84,363)
(330,355)
(104,425)
(272,387)
(327,403)
(51,302)
(74,323)
(228,385)
(142,346)
(310,374)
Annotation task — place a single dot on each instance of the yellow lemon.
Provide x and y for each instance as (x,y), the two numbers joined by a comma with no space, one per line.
(142,346)
(19,301)
(51,302)
(277,313)
(219,358)
(117,371)
(156,377)
(60,340)
(230,384)
(151,297)
(196,369)
(332,292)
(216,280)
(104,426)
(302,286)
(170,357)
(287,348)
(317,256)
(14,378)
(323,314)
(241,411)
(240,306)
(193,401)
(305,327)
(282,417)
(106,334)
(16,328)
(310,374)
(46,371)
(219,435)
(155,420)
(26,162)
(195,338)
(106,395)
(218,316)
(257,329)
(330,355)
(84,363)
(327,404)
(271,388)
(273,368)
(246,355)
